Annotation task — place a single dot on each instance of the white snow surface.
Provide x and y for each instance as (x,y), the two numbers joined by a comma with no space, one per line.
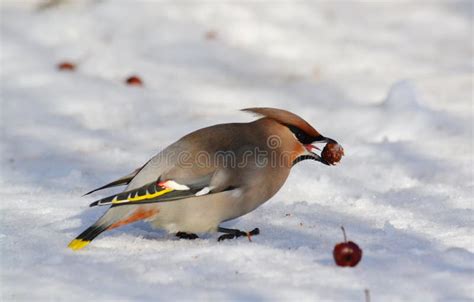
(392,81)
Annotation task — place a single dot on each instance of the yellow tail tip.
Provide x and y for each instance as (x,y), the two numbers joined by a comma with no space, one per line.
(77,244)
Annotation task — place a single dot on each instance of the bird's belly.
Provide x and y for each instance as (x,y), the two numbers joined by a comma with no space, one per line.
(200,214)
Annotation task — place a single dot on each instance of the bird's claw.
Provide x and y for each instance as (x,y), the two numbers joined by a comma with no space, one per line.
(226,236)
(239,233)
(184,235)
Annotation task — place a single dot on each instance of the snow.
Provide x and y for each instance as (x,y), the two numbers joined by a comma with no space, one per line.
(391,81)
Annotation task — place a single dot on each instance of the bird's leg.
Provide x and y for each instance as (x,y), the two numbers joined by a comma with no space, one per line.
(184,235)
(233,233)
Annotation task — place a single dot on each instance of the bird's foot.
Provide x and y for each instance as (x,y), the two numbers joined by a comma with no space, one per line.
(184,235)
(233,233)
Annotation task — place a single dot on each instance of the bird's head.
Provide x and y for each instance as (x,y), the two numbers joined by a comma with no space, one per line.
(304,134)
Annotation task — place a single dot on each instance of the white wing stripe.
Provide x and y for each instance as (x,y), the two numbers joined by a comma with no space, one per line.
(204,191)
(171,184)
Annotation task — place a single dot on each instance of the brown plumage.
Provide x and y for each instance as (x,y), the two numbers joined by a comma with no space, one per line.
(286,118)
(246,164)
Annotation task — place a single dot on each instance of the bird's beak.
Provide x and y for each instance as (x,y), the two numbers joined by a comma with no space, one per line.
(311,148)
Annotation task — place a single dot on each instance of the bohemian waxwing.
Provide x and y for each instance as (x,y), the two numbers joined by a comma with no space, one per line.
(209,176)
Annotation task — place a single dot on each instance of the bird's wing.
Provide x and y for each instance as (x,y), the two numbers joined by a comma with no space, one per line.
(163,191)
(125,180)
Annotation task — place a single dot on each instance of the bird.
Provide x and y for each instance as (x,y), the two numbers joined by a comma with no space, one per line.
(210,176)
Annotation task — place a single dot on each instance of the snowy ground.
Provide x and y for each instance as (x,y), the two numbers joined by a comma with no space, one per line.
(391,81)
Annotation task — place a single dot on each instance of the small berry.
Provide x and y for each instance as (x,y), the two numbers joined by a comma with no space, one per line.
(66,66)
(347,253)
(211,35)
(332,153)
(134,81)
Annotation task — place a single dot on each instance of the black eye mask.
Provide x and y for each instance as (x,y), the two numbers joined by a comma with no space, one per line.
(301,135)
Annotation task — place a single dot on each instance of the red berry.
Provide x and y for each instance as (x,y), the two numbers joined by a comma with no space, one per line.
(332,153)
(66,66)
(347,253)
(211,35)
(134,80)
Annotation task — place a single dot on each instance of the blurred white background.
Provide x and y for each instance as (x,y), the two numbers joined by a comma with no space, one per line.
(390,80)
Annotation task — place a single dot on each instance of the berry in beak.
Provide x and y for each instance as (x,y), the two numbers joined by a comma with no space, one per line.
(331,153)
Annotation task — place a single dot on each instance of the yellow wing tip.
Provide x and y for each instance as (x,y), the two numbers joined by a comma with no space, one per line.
(78,244)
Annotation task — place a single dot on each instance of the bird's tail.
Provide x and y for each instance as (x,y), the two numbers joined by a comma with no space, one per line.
(115,217)
(87,236)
